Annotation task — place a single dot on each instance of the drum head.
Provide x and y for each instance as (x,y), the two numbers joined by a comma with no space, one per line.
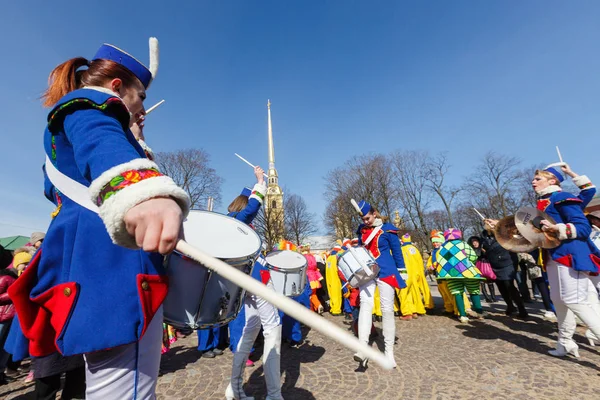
(219,235)
(286,259)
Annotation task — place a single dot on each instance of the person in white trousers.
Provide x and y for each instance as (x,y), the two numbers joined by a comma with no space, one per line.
(381,240)
(258,312)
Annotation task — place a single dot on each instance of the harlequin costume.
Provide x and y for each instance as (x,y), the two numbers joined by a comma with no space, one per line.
(411,300)
(572,262)
(385,249)
(90,288)
(456,260)
(437,239)
(257,313)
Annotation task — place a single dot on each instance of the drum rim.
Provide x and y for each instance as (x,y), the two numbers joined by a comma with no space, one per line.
(238,222)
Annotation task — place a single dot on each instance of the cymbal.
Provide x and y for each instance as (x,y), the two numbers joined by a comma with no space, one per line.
(528,222)
(509,237)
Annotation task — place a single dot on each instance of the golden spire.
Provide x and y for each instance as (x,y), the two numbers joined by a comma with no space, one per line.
(271,147)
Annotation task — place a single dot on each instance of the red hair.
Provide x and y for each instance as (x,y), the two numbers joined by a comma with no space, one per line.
(68,77)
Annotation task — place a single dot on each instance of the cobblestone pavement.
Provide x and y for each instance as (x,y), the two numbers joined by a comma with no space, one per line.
(438,358)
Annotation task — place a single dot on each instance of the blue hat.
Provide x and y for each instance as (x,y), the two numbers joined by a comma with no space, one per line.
(145,75)
(556,173)
(364,207)
(246,192)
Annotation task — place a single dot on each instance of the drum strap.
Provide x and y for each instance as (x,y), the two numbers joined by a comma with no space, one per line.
(69,187)
(372,235)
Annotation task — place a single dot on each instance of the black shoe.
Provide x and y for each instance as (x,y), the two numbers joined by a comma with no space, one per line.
(217,352)
(510,311)
(5,380)
(377,318)
(523,315)
(208,354)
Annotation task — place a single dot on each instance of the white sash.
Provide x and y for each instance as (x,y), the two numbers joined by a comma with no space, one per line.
(69,187)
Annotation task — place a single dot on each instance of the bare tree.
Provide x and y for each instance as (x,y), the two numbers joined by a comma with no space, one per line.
(410,170)
(437,168)
(299,223)
(269,226)
(493,188)
(190,169)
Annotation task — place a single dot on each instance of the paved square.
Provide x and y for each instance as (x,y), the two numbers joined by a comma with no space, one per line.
(438,358)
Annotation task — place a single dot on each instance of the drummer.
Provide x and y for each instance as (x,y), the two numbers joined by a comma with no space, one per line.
(98,283)
(257,311)
(384,246)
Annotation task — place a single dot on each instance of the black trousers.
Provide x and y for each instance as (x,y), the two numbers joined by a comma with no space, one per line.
(48,387)
(510,294)
(540,283)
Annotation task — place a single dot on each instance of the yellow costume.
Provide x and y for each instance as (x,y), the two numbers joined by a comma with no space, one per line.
(411,302)
(334,284)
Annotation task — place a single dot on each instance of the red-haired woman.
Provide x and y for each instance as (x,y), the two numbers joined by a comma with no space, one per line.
(97,282)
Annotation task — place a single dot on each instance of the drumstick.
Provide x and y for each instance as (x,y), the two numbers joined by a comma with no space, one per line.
(148,111)
(478,213)
(285,304)
(559,155)
(154,107)
(248,162)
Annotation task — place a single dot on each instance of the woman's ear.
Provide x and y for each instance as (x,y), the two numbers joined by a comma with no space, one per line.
(116,85)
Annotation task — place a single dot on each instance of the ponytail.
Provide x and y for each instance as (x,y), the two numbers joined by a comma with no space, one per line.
(68,77)
(64,79)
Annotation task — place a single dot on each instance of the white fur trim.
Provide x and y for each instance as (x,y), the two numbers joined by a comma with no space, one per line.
(115,207)
(113,210)
(549,189)
(146,148)
(154,57)
(262,189)
(562,231)
(582,180)
(573,231)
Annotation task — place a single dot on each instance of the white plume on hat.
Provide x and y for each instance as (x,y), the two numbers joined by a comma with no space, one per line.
(154,56)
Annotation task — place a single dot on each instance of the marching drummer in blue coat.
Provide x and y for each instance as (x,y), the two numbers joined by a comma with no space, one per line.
(96,283)
(384,246)
(257,312)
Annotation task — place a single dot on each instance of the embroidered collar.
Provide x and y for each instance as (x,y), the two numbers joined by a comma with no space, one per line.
(377,222)
(549,190)
(109,92)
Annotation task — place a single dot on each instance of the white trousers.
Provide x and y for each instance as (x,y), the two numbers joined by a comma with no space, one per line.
(386,296)
(126,372)
(259,312)
(573,293)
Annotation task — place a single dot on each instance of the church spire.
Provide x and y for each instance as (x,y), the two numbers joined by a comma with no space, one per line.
(272,173)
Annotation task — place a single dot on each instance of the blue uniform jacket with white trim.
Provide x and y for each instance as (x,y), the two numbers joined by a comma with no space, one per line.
(576,249)
(385,248)
(82,292)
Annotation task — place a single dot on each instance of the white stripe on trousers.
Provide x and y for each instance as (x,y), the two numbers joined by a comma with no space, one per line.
(129,371)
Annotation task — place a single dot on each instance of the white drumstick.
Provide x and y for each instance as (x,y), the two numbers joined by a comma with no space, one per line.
(248,162)
(559,155)
(285,304)
(478,213)
(154,107)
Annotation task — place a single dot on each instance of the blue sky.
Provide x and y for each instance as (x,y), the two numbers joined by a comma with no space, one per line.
(344,77)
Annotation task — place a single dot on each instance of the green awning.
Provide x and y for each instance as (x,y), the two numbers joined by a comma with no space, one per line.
(14,242)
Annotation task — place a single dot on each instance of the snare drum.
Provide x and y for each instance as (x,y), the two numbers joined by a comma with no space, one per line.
(199,298)
(358,266)
(288,272)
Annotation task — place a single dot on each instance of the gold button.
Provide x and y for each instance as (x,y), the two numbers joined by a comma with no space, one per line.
(145,285)
(67,292)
